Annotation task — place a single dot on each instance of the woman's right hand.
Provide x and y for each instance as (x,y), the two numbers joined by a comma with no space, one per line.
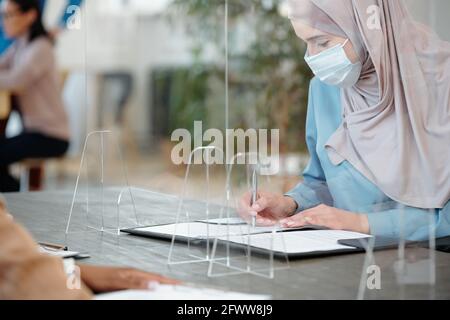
(268,209)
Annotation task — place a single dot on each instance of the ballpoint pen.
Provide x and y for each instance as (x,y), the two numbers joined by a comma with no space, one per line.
(254,194)
(53,247)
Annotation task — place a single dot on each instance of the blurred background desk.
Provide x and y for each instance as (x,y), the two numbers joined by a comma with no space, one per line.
(338,277)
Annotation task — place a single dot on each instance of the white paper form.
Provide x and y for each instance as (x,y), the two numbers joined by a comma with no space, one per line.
(299,241)
(168,292)
(225,221)
(199,230)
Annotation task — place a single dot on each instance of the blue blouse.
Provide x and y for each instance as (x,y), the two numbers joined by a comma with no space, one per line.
(345,188)
(5,43)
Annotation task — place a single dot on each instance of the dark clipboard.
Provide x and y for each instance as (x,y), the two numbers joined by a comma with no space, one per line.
(295,255)
(355,245)
(378,243)
(160,236)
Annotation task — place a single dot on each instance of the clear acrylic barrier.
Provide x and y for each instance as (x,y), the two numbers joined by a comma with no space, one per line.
(370,282)
(415,266)
(152,208)
(187,245)
(98,203)
(408,263)
(368,266)
(206,232)
(408,266)
(235,252)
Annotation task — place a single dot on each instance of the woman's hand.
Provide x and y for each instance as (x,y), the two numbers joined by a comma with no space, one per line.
(269,209)
(105,279)
(329,217)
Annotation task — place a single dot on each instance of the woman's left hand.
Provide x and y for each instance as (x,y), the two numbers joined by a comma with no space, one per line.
(329,217)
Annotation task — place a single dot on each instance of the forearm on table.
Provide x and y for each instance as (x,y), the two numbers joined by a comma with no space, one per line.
(411,223)
(24,272)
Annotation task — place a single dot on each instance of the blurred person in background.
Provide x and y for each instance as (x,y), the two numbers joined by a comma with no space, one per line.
(28,71)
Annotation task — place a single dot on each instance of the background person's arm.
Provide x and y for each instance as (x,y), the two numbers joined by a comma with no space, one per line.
(36,61)
(6,58)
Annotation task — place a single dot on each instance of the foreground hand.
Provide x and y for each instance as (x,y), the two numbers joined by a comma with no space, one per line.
(105,279)
(329,217)
(269,208)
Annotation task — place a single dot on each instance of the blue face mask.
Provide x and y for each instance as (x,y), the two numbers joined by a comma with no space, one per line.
(333,67)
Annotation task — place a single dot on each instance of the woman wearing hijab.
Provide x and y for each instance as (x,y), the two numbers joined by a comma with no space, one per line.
(378,125)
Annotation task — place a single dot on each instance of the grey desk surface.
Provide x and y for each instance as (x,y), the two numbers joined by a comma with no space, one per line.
(337,277)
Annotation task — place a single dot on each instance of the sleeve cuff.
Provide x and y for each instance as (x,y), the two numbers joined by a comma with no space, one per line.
(382,224)
(303,203)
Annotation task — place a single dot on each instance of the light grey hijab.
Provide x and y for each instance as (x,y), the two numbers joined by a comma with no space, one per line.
(396,126)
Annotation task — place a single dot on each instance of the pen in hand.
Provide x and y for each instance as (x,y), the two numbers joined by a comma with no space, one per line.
(254,197)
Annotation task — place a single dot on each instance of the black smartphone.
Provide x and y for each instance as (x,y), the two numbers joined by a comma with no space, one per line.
(378,243)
